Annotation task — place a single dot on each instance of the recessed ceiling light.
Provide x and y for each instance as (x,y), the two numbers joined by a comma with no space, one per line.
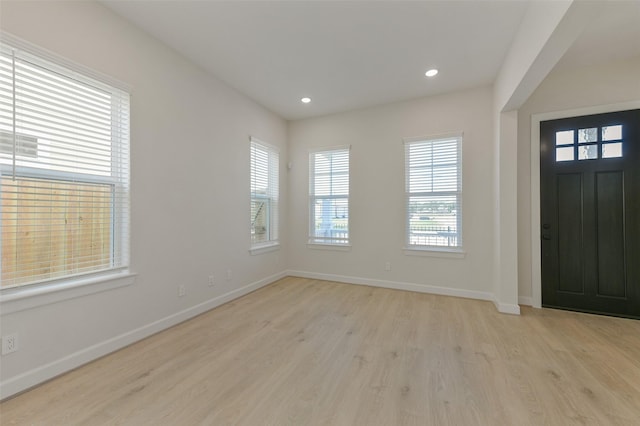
(431,72)
(305,100)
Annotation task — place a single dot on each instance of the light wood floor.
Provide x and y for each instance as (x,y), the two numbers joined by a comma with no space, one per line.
(305,352)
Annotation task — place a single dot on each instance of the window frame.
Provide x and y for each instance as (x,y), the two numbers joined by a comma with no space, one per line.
(44,290)
(271,198)
(414,249)
(314,241)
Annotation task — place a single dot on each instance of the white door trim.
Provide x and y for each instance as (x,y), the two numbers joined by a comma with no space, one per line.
(536,259)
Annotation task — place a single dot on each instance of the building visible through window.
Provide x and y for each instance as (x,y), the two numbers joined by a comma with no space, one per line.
(64,165)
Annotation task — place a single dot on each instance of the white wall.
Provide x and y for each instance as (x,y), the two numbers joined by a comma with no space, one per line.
(547,30)
(190,188)
(519,73)
(377,194)
(604,84)
(190,191)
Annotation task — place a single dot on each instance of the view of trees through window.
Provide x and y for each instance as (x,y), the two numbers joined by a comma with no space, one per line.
(434,191)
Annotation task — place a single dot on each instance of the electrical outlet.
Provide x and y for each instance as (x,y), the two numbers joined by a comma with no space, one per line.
(229,275)
(181,290)
(211,281)
(9,343)
(387,266)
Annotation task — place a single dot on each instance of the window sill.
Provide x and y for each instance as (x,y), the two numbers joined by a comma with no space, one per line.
(31,296)
(266,248)
(435,252)
(334,247)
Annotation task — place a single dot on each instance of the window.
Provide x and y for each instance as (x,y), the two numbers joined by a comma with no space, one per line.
(264,194)
(329,196)
(64,171)
(433,181)
(592,143)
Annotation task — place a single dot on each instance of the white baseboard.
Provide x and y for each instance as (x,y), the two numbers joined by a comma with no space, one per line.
(525,300)
(507,308)
(46,372)
(420,288)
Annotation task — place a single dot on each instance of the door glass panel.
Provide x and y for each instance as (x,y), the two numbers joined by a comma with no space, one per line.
(564,153)
(612,133)
(588,135)
(612,150)
(564,137)
(587,152)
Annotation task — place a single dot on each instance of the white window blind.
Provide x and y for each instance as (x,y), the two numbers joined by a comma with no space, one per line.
(329,196)
(264,193)
(64,165)
(433,181)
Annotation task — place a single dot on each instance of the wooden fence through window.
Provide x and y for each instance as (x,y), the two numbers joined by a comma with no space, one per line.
(53,228)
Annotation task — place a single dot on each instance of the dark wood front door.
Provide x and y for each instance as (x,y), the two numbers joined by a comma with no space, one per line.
(590,213)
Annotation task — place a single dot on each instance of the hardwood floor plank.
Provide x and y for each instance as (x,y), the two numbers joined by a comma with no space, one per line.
(310,352)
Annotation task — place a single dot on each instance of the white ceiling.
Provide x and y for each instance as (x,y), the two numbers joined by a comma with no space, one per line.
(613,36)
(344,54)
